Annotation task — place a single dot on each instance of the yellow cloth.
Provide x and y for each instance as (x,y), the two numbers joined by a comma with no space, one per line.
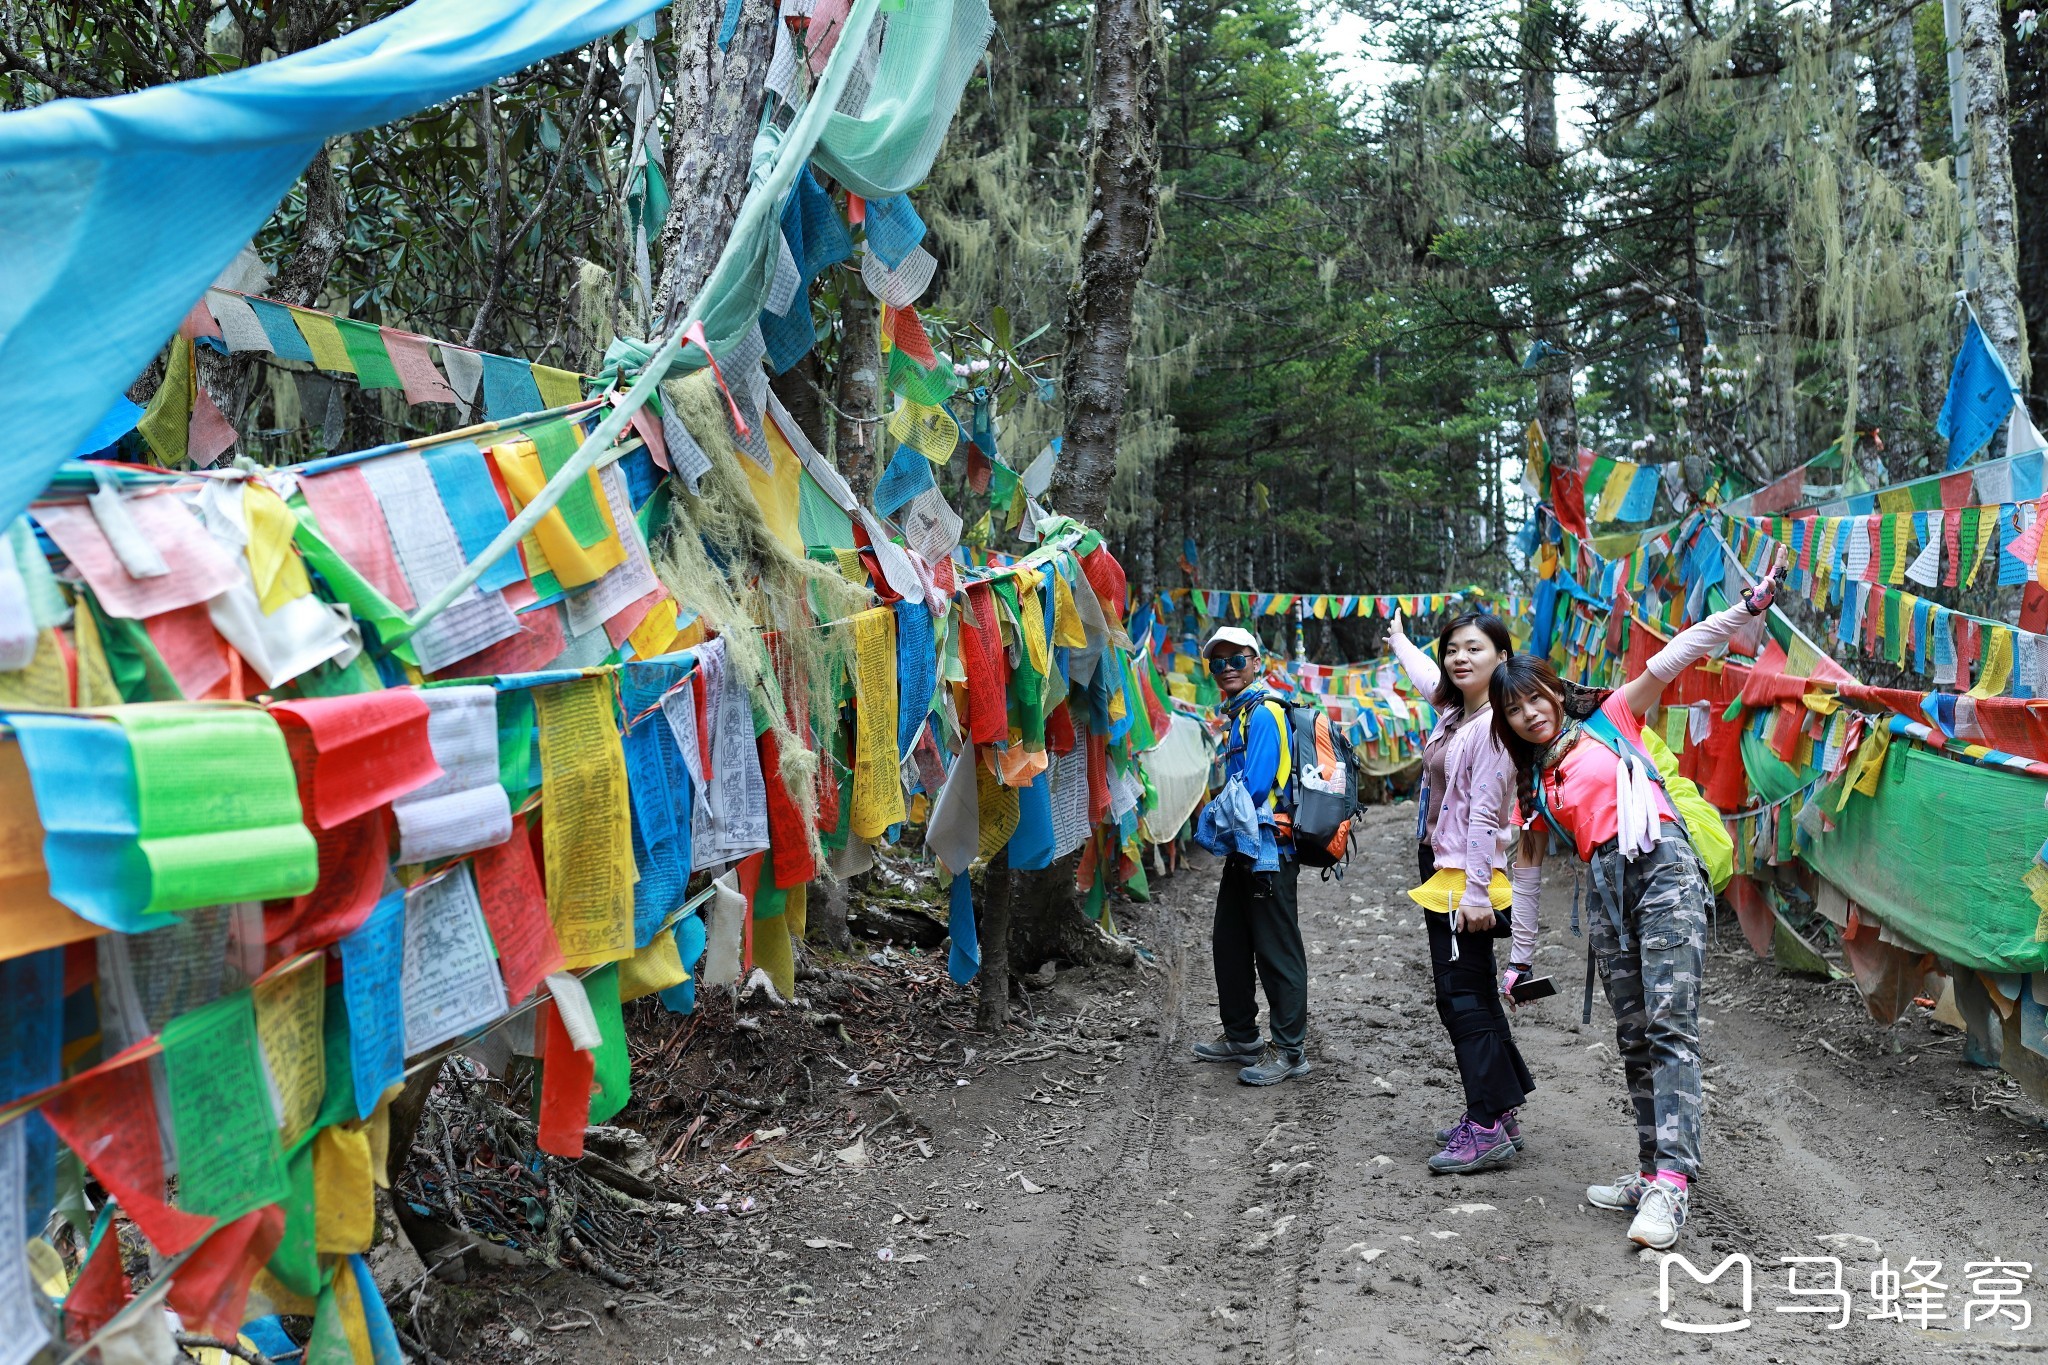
(774,953)
(656,630)
(323,339)
(1997,663)
(654,968)
(344,1189)
(572,563)
(778,493)
(1446,888)
(558,388)
(279,573)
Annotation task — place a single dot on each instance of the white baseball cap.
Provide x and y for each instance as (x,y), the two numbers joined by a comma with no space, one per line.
(1232,635)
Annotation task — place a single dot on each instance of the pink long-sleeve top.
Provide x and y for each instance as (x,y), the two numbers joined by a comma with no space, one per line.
(1471,779)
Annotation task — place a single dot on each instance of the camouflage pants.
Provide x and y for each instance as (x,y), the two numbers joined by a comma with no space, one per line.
(1648,927)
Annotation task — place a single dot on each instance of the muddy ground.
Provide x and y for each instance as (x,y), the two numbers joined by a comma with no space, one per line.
(1080,1189)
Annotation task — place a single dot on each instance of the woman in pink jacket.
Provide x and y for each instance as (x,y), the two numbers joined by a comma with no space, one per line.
(1466,824)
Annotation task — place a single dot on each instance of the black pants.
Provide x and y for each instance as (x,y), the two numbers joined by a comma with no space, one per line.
(1256,925)
(1468,1001)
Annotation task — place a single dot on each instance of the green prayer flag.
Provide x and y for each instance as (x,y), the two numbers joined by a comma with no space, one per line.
(166,425)
(229,1162)
(555,440)
(515,744)
(348,587)
(365,344)
(217,802)
(613,1070)
(329,1343)
(295,1263)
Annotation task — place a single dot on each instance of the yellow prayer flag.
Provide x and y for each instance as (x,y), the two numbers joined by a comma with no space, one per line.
(558,388)
(1000,811)
(323,339)
(654,968)
(586,825)
(348,1303)
(656,631)
(344,1192)
(1869,764)
(1066,616)
(45,682)
(1031,623)
(780,491)
(1616,491)
(290,1008)
(877,784)
(929,430)
(1895,501)
(774,954)
(573,563)
(31,919)
(96,685)
(1987,533)
(275,565)
(1997,672)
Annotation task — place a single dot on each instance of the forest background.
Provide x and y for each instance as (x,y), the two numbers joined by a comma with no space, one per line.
(1721,235)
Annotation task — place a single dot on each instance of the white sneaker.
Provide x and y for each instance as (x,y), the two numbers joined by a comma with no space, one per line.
(1624,1194)
(1659,1215)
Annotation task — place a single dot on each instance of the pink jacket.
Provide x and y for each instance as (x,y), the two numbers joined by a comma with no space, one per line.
(1474,826)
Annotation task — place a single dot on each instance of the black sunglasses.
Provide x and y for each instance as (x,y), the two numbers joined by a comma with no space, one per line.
(1226,663)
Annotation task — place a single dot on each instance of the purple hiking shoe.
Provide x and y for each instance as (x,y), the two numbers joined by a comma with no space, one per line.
(1472,1148)
(1510,1120)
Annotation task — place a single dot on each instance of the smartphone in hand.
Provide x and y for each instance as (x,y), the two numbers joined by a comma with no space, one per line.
(1532,988)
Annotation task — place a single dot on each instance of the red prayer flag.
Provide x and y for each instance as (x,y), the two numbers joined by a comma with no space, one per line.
(565,1080)
(516,909)
(107,1117)
(99,1291)
(210,1291)
(356,753)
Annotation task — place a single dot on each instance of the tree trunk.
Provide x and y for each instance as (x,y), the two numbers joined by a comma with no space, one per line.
(858,381)
(1116,242)
(993,1010)
(1556,403)
(1905,370)
(797,387)
(715,116)
(1998,292)
(230,380)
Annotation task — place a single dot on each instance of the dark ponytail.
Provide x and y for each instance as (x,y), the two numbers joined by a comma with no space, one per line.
(1448,697)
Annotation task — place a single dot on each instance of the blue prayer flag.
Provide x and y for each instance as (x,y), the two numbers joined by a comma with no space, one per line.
(1980,395)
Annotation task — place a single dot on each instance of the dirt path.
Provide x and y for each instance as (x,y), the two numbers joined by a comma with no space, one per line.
(1094,1194)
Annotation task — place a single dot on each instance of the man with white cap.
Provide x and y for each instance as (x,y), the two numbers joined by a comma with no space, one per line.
(1256,926)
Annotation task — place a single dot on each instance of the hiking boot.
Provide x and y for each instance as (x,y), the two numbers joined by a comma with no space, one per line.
(1659,1215)
(1624,1194)
(1473,1148)
(1284,1066)
(1223,1050)
(1508,1121)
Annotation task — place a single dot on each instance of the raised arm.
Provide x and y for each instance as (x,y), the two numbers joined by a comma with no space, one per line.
(1420,668)
(1694,643)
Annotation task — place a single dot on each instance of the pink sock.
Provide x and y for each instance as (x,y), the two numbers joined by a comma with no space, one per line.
(1674,1178)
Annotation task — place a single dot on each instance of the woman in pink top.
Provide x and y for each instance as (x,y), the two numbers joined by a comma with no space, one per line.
(1580,766)
(1466,825)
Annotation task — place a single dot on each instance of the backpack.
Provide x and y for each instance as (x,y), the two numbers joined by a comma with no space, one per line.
(1323,789)
(1703,827)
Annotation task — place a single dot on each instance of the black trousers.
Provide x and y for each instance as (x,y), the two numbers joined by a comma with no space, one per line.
(1468,1001)
(1257,929)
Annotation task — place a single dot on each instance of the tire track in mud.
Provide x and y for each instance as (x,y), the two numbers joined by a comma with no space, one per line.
(1039,1318)
(1307,1106)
